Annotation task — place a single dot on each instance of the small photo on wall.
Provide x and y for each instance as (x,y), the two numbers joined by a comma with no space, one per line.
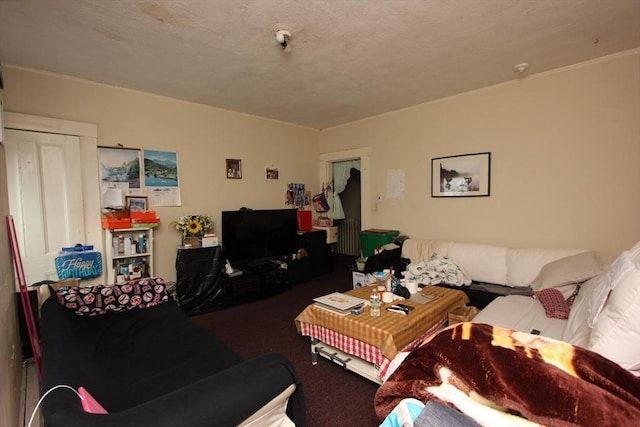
(271,173)
(234,169)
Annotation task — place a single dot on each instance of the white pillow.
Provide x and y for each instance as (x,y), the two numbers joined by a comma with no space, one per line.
(618,268)
(523,265)
(483,263)
(564,273)
(577,331)
(616,332)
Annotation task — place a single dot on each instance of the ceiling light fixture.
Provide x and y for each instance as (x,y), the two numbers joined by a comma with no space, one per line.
(521,68)
(283,37)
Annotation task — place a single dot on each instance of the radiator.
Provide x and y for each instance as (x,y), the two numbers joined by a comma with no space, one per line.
(349,237)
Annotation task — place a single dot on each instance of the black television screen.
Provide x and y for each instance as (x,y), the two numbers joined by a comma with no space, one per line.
(255,234)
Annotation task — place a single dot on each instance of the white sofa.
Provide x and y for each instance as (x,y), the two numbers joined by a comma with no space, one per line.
(488,263)
(604,316)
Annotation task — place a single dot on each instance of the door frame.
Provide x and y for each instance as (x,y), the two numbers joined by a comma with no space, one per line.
(364,155)
(87,133)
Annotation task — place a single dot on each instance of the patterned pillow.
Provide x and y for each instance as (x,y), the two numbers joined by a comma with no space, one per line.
(555,306)
(102,299)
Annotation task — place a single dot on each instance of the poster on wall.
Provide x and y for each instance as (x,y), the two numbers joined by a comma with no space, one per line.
(120,175)
(161,184)
(395,184)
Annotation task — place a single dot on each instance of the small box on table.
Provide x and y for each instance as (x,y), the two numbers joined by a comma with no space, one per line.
(209,240)
(359,278)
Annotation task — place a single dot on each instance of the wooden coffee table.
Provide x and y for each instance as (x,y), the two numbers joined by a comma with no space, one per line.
(365,344)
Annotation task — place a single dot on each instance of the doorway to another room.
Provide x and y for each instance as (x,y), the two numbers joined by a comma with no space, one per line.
(347,208)
(350,197)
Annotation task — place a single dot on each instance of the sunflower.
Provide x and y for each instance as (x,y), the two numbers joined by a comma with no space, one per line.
(194,226)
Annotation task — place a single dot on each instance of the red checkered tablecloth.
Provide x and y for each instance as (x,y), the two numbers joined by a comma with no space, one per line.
(360,349)
(386,334)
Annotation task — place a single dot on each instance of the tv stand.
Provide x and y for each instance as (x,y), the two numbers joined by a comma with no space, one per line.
(259,279)
(256,265)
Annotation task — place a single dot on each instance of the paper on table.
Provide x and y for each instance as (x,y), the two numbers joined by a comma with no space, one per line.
(421,298)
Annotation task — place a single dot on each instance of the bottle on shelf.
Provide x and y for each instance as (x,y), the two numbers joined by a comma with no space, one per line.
(129,253)
(141,244)
(375,303)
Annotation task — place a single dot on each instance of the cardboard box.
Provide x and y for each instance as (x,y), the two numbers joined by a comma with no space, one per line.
(209,240)
(359,278)
(144,216)
(323,221)
(113,223)
(332,233)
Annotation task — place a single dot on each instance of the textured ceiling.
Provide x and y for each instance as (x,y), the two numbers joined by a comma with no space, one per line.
(347,59)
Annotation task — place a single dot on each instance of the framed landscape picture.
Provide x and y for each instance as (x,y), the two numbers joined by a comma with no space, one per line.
(464,175)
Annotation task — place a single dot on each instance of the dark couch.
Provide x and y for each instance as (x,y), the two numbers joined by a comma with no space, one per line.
(154,366)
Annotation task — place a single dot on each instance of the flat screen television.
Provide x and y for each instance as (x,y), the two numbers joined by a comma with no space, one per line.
(258,234)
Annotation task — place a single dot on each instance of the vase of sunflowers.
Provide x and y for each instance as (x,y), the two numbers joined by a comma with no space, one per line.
(192,227)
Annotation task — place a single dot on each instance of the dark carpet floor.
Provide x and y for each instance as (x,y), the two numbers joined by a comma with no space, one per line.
(333,396)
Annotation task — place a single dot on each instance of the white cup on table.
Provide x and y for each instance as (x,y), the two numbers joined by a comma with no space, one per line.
(387,296)
(412,285)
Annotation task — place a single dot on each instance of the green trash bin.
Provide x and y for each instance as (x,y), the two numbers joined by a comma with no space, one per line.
(372,239)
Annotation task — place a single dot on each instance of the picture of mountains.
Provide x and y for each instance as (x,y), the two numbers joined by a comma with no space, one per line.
(160,169)
(119,165)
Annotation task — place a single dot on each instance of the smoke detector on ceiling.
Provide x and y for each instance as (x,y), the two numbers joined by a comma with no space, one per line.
(283,37)
(521,68)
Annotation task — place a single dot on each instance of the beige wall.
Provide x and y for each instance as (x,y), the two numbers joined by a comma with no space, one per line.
(203,138)
(565,166)
(565,160)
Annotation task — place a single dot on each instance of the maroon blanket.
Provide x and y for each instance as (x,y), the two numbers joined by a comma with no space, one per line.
(496,375)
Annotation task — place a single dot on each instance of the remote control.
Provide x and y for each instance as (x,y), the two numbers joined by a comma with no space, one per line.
(398,309)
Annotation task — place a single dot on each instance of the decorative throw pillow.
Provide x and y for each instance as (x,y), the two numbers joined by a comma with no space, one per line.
(523,265)
(577,331)
(102,299)
(555,306)
(564,273)
(616,332)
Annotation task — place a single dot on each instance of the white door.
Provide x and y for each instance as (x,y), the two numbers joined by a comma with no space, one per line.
(45,197)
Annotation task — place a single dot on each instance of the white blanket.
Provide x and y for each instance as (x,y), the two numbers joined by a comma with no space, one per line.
(437,270)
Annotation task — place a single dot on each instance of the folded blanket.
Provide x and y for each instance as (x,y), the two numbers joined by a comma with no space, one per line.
(502,377)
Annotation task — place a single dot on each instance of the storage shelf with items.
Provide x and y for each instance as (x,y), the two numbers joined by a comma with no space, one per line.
(129,253)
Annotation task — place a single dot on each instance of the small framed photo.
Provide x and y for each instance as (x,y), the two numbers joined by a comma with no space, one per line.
(271,173)
(234,169)
(464,175)
(136,203)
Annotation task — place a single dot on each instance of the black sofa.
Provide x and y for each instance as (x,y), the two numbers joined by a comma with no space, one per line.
(154,366)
